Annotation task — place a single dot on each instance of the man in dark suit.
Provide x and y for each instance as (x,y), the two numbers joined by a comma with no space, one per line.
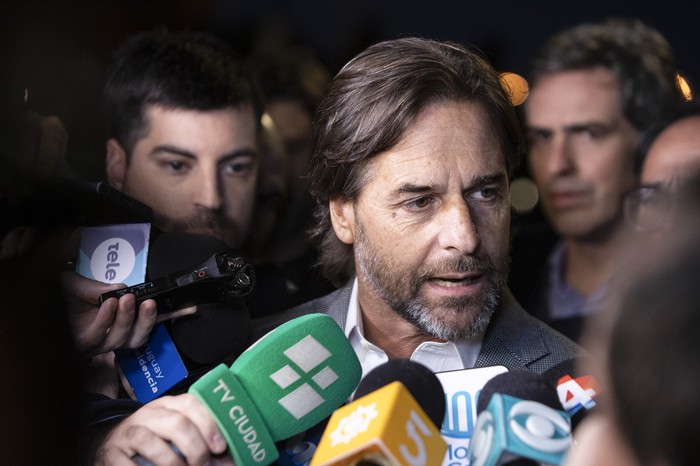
(415,144)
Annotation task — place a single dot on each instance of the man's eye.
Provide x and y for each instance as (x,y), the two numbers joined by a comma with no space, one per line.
(174,165)
(420,203)
(488,193)
(594,133)
(485,194)
(238,168)
(538,137)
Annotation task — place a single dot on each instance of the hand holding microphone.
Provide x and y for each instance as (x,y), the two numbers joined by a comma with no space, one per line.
(115,323)
(288,381)
(147,436)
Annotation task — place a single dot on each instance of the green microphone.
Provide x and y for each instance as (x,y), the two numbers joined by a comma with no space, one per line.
(288,381)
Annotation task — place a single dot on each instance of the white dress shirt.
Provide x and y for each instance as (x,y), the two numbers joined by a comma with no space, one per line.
(436,356)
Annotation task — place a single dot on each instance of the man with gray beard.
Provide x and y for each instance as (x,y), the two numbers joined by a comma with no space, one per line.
(415,144)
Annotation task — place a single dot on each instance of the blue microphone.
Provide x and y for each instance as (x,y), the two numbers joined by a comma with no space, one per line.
(520,419)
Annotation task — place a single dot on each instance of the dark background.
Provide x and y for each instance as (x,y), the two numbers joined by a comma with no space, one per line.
(60,50)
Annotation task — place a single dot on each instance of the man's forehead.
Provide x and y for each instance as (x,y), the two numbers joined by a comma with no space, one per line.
(575,97)
(203,128)
(405,173)
(675,153)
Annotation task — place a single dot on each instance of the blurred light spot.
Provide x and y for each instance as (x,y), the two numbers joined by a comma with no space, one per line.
(523,195)
(516,86)
(684,87)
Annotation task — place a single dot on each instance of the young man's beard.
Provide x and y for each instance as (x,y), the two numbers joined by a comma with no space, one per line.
(204,222)
(452,317)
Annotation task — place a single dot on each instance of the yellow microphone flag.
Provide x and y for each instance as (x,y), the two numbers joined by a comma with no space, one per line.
(387,426)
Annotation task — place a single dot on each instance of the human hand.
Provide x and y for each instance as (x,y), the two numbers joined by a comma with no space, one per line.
(152,430)
(113,324)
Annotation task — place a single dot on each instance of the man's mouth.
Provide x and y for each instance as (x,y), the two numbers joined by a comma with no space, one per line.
(453,282)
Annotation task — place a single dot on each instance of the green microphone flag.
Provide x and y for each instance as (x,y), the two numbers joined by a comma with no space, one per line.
(288,381)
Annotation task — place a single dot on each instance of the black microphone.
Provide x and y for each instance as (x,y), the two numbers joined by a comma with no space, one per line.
(420,382)
(523,384)
(181,350)
(66,201)
(520,421)
(217,330)
(576,390)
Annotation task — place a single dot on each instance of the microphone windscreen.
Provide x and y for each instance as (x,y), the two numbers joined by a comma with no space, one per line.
(521,384)
(217,330)
(576,401)
(172,252)
(420,381)
(67,201)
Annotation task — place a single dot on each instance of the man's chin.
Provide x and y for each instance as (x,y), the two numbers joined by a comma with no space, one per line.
(451,318)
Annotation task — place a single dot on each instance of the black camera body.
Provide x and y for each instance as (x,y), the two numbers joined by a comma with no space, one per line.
(224,277)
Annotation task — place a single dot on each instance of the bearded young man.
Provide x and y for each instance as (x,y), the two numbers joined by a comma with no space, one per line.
(412,188)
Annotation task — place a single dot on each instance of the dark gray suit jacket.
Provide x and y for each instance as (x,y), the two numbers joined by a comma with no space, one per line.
(513,339)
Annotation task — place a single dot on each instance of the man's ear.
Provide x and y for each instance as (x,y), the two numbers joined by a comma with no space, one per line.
(343,219)
(115,164)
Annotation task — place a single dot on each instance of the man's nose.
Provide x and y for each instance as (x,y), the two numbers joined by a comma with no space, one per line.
(207,190)
(458,229)
(560,159)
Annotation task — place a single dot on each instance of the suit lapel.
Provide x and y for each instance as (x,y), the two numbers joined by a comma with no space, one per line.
(512,339)
(336,304)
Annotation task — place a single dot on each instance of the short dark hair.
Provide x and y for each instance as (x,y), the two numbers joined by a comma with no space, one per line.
(638,55)
(369,106)
(194,71)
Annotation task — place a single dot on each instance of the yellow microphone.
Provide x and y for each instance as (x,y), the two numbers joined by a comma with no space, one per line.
(386,427)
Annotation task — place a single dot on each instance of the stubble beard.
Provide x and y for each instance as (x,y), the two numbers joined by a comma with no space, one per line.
(449,319)
(204,222)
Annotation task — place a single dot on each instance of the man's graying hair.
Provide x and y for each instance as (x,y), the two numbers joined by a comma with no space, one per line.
(639,56)
(369,106)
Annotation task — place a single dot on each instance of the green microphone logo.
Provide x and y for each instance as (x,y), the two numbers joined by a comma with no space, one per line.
(307,355)
(287,382)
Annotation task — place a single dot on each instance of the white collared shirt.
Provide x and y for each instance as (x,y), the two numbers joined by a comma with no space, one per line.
(436,356)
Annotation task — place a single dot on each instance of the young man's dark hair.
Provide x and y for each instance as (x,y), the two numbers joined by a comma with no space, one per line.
(192,71)
(370,104)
